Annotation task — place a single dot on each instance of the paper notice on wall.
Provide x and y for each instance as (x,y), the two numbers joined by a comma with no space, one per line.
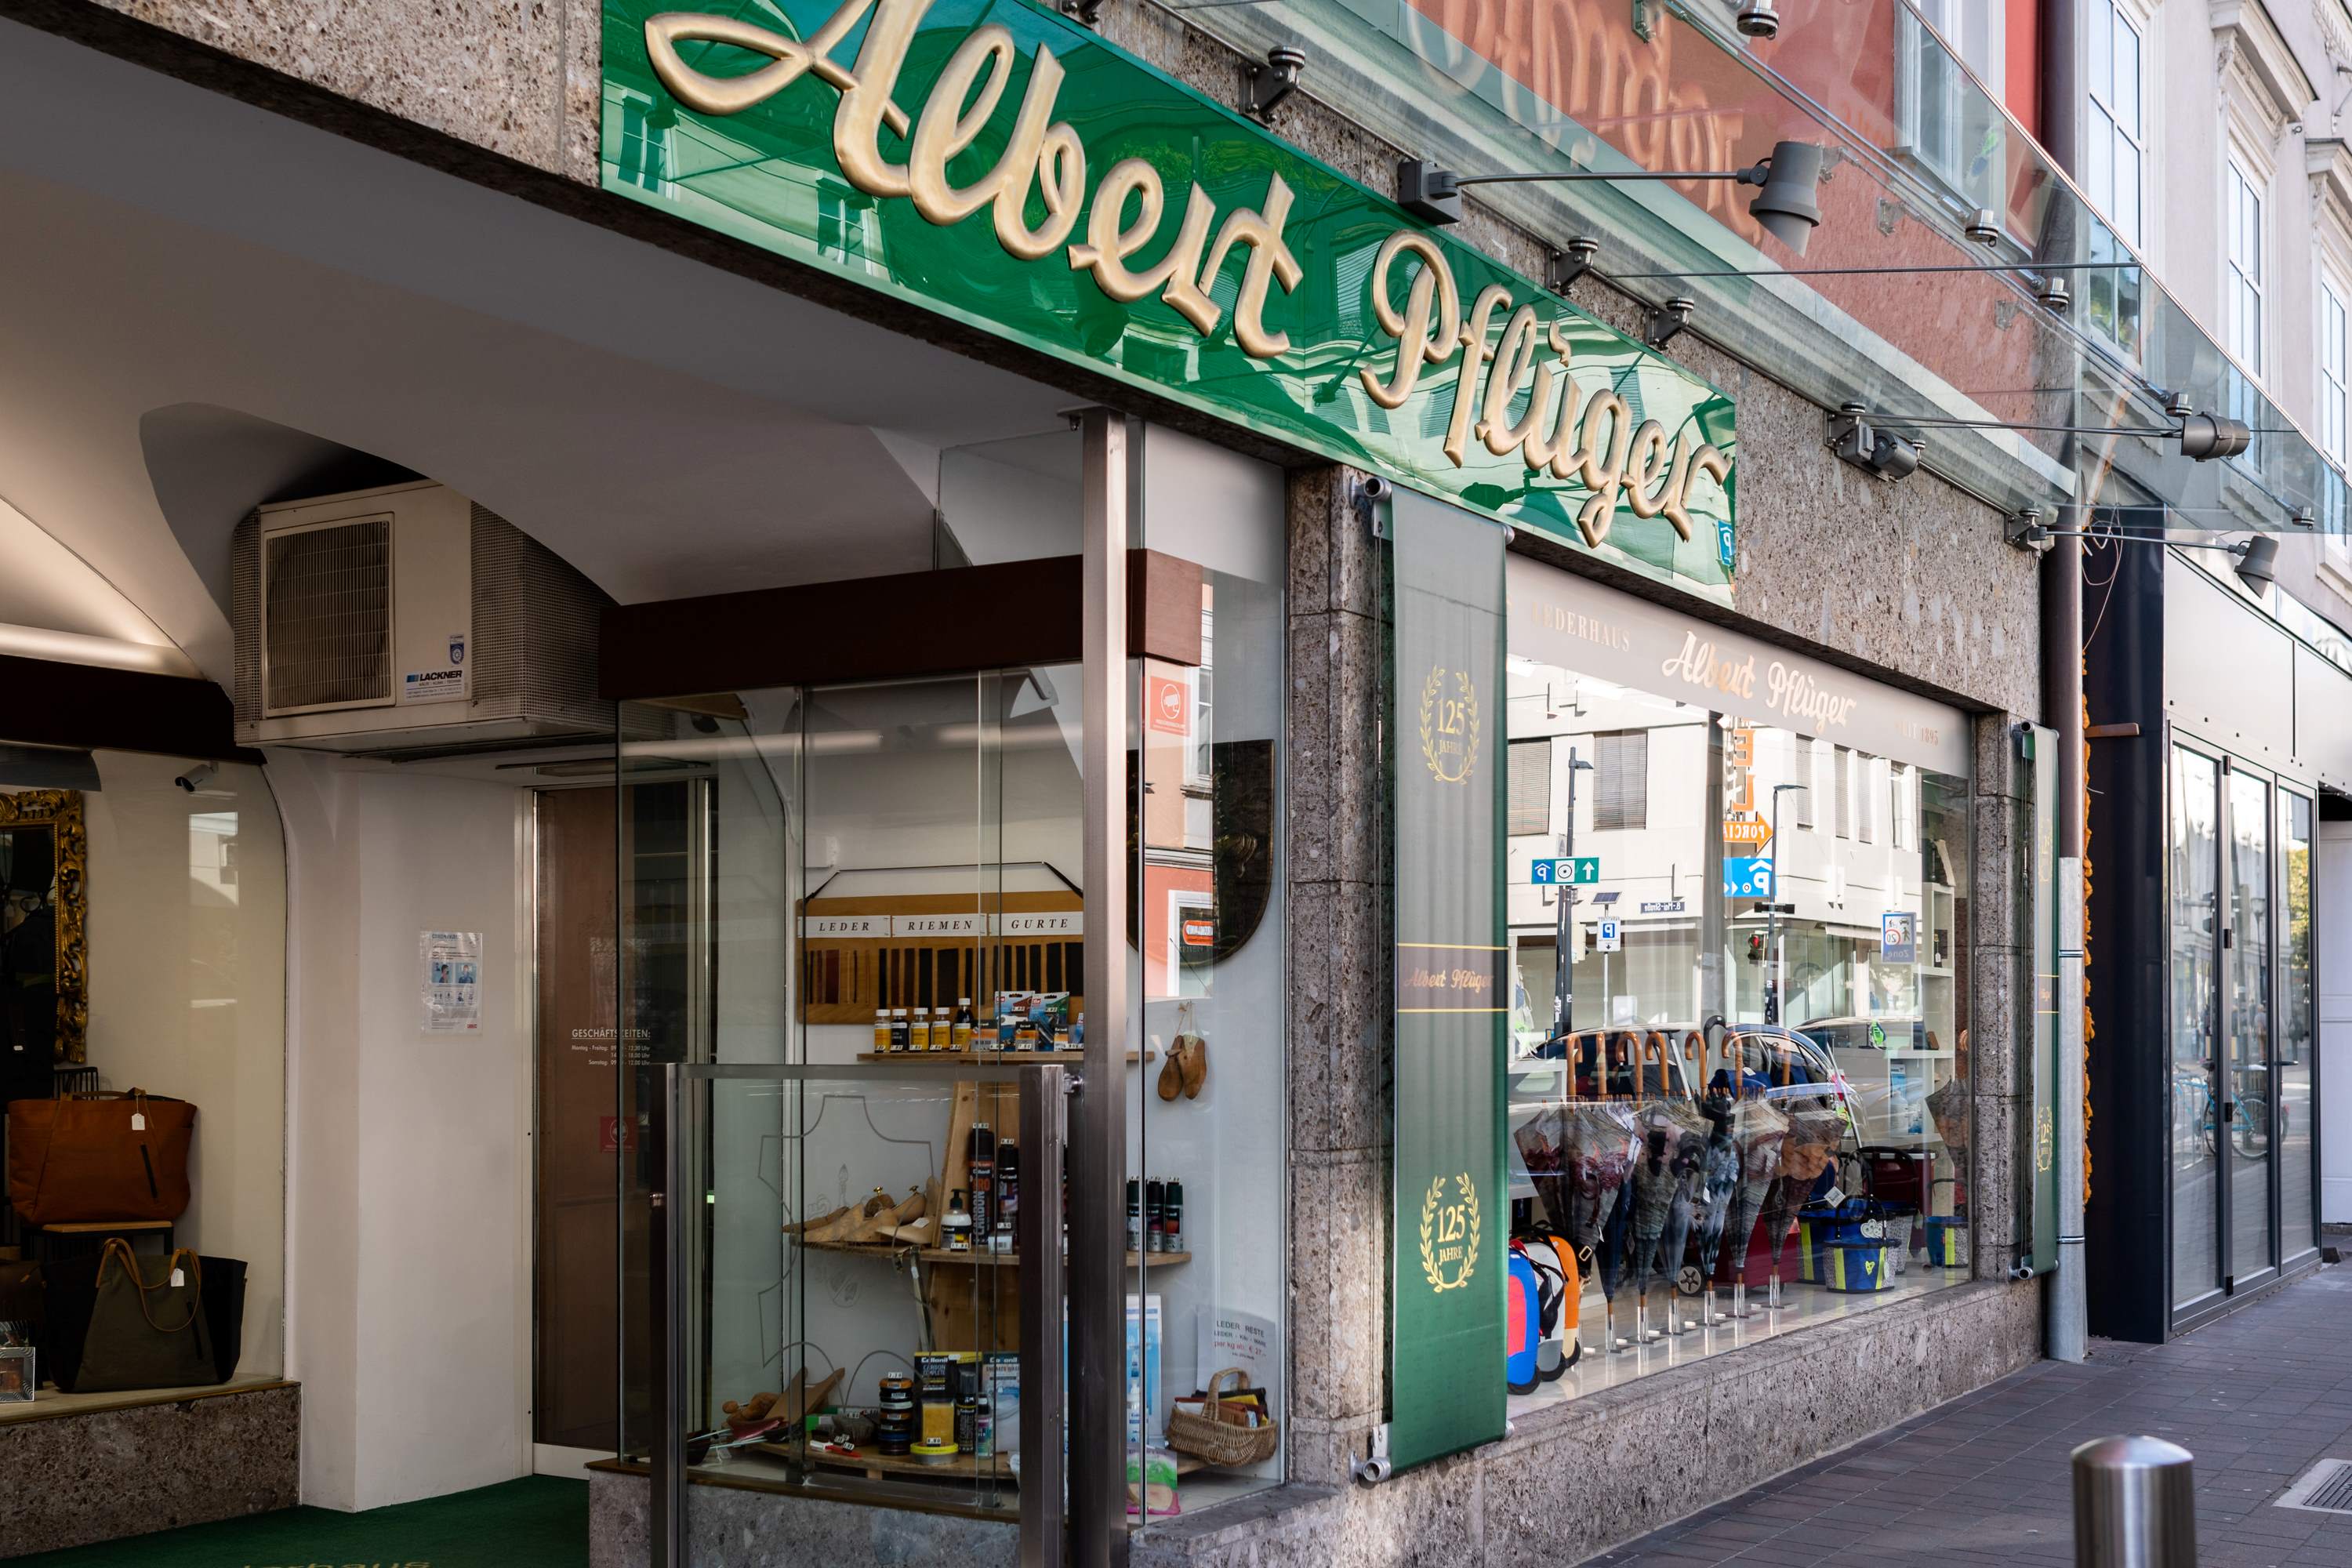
(449,977)
(1230,1338)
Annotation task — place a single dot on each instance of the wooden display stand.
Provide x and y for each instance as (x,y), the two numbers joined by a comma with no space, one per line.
(926,950)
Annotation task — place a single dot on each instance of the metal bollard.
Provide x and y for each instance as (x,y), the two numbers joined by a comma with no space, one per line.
(2135,1504)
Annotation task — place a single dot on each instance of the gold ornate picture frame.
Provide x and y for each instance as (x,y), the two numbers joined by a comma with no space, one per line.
(60,811)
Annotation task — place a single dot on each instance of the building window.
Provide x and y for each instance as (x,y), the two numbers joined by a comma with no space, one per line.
(2331,369)
(1808,768)
(1841,775)
(1530,802)
(2112,159)
(644,147)
(1866,797)
(2243,219)
(1621,775)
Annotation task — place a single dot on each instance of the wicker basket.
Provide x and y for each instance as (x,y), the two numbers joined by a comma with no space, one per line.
(1222,1434)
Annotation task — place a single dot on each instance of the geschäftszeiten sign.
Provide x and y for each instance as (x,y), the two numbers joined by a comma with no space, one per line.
(1005,166)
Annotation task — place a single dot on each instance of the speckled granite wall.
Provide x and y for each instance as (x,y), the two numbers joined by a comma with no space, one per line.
(103,1475)
(1579,1477)
(1338,1009)
(733,1527)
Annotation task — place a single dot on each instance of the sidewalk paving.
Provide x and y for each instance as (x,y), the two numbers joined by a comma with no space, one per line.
(2257,1397)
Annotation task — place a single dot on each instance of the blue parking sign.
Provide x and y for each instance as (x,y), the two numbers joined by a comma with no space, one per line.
(1747,877)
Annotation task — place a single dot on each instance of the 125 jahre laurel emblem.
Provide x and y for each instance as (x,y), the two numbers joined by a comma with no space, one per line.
(1449,1234)
(1449,724)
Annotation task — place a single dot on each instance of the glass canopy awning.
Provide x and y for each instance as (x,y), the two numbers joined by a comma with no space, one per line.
(1886,309)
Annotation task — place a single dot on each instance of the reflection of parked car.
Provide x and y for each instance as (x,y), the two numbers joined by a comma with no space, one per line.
(1871,1033)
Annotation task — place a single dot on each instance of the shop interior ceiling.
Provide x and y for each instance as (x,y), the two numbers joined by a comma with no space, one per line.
(209,306)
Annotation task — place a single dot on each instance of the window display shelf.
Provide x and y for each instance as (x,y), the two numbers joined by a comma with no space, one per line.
(875,1465)
(991,1059)
(994,1259)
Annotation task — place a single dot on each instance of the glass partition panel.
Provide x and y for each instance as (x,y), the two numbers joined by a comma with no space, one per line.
(2192,875)
(2250,1113)
(1208,1147)
(2298,1035)
(829,896)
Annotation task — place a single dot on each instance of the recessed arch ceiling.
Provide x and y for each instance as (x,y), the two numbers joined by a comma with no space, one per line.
(211,304)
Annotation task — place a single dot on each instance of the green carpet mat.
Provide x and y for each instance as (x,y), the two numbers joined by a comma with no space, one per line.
(539,1521)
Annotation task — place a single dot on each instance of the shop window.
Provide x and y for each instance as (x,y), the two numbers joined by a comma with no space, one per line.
(2333,402)
(1529,808)
(1816,1037)
(857,923)
(1621,780)
(142,945)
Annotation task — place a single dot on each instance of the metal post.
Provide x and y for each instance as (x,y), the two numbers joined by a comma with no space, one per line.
(1772,965)
(1042,1134)
(1563,987)
(667,1322)
(2135,1504)
(2062,702)
(1098,1113)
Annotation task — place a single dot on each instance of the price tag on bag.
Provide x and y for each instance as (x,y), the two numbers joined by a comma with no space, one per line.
(138,1122)
(179,1278)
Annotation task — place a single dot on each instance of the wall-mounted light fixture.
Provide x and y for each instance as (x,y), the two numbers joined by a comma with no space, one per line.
(1786,202)
(2257,554)
(1880,454)
(2204,437)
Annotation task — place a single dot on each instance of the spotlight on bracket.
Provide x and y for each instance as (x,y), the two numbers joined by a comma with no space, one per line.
(1668,319)
(1880,454)
(2205,437)
(1757,20)
(2257,561)
(1274,81)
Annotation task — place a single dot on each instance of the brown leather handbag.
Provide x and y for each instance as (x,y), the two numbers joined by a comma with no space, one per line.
(100,1157)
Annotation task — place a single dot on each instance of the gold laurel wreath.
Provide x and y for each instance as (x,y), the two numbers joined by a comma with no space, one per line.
(1428,690)
(1438,1280)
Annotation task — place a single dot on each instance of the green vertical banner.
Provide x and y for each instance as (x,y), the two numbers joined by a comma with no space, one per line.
(1451,1219)
(2041,1229)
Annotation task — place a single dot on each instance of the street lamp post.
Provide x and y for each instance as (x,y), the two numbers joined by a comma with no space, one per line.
(1563,987)
(1777,977)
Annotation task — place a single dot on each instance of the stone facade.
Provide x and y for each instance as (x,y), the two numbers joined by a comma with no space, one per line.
(1910,583)
(748,1527)
(101,1474)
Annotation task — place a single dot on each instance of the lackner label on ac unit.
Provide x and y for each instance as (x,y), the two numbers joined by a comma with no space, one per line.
(434,686)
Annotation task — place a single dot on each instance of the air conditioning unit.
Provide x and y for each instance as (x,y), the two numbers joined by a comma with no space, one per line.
(407,621)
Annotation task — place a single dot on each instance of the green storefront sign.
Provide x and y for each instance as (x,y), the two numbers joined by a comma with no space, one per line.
(998,164)
(1451,1224)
